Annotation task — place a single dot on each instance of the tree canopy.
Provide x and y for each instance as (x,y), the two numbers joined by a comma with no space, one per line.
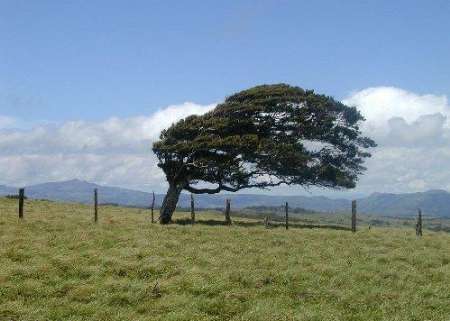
(263,137)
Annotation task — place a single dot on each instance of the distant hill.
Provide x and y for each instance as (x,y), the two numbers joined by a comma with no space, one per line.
(82,192)
(434,202)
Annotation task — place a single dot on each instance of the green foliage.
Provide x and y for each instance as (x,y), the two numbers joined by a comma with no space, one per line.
(57,265)
(266,136)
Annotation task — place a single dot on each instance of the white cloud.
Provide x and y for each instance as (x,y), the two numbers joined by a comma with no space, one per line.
(379,104)
(395,115)
(110,136)
(115,151)
(413,135)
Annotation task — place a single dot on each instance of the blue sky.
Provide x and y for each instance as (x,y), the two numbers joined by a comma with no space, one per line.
(65,60)
(86,86)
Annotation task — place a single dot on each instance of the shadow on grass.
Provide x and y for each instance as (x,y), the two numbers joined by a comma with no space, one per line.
(187,221)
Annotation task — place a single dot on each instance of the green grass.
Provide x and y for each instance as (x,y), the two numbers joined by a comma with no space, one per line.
(57,265)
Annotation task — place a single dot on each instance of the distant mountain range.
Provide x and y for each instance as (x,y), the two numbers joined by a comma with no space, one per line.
(433,202)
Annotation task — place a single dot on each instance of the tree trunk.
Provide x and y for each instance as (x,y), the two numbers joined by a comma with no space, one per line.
(169,203)
(227,211)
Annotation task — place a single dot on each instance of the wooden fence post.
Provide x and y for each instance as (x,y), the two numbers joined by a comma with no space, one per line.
(21,202)
(287,215)
(153,207)
(95,205)
(192,209)
(354,216)
(266,221)
(419,223)
(227,211)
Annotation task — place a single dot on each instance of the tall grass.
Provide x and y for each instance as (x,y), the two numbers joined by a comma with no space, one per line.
(57,264)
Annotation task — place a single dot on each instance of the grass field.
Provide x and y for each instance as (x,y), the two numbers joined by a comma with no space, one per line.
(57,265)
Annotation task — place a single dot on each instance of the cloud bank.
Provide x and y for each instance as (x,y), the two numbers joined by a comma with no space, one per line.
(115,151)
(412,132)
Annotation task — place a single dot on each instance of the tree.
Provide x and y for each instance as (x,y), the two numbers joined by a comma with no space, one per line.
(262,137)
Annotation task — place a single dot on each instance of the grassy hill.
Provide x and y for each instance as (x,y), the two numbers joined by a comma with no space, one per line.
(58,265)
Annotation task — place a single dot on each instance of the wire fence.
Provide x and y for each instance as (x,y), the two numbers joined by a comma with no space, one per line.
(287,217)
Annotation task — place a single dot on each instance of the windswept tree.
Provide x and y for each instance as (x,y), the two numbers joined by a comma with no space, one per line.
(263,137)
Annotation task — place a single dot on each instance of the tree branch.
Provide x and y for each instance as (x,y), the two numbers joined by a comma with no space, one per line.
(202,190)
(222,187)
